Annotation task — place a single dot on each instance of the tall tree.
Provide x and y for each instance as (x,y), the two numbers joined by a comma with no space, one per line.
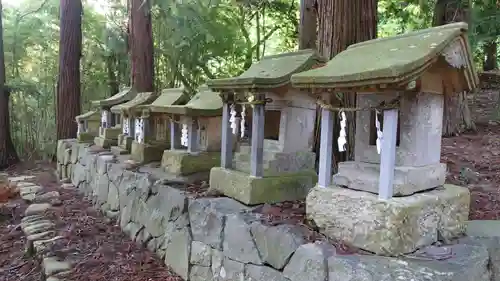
(141,45)
(490,55)
(70,52)
(308,24)
(343,23)
(457,116)
(8,154)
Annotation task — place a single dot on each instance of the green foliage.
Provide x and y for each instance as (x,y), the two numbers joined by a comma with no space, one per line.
(193,40)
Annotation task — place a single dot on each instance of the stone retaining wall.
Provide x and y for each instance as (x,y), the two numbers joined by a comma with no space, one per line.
(205,239)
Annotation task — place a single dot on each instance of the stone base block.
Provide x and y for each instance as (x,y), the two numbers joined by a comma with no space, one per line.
(389,227)
(125,142)
(251,190)
(105,143)
(110,133)
(146,153)
(183,163)
(407,180)
(85,138)
(118,150)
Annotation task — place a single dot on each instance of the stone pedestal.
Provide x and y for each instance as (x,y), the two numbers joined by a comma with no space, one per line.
(85,137)
(407,179)
(107,137)
(124,144)
(257,190)
(183,163)
(391,227)
(146,153)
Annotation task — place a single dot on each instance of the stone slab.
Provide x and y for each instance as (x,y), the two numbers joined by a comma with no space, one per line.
(105,143)
(36,209)
(146,153)
(452,263)
(183,163)
(407,180)
(86,137)
(389,227)
(483,228)
(118,150)
(251,190)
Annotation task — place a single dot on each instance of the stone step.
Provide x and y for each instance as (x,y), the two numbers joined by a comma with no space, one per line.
(269,145)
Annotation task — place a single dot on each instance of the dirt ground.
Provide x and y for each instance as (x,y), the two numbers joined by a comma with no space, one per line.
(102,252)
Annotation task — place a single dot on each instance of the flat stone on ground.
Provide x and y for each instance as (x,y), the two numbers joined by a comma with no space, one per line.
(20,178)
(35,209)
(52,266)
(47,196)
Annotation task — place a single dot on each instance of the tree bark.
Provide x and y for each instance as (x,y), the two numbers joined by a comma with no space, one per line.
(8,154)
(457,116)
(308,24)
(141,46)
(490,52)
(343,23)
(68,85)
(112,65)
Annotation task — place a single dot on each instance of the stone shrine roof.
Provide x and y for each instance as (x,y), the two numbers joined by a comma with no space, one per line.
(270,72)
(168,97)
(395,60)
(90,115)
(140,99)
(206,103)
(123,96)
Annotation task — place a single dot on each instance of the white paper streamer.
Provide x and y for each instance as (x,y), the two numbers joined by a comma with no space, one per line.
(380,136)
(184,135)
(342,141)
(242,122)
(139,130)
(232,120)
(126,126)
(104,119)
(79,128)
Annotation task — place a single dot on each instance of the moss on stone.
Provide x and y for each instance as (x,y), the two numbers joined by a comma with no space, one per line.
(147,153)
(105,143)
(251,190)
(183,163)
(85,138)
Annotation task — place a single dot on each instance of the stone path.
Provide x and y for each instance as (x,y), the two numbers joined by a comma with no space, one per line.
(39,230)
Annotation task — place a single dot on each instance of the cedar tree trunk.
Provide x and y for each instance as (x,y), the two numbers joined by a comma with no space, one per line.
(457,116)
(342,23)
(70,51)
(308,24)
(8,154)
(141,45)
(490,52)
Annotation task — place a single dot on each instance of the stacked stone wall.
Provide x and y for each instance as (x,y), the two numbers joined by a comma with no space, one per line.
(203,239)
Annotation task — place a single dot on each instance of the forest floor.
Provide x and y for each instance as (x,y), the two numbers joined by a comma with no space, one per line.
(103,252)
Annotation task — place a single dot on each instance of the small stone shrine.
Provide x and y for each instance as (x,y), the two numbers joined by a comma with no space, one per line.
(110,122)
(195,135)
(267,171)
(88,126)
(129,112)
(394,202)
(151,128)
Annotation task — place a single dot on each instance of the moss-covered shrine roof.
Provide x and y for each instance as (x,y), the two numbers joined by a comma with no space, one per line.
(129,106)
(206,103)
(393,60)
(123,96)
(168,97)
(270,72)
(90,115)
